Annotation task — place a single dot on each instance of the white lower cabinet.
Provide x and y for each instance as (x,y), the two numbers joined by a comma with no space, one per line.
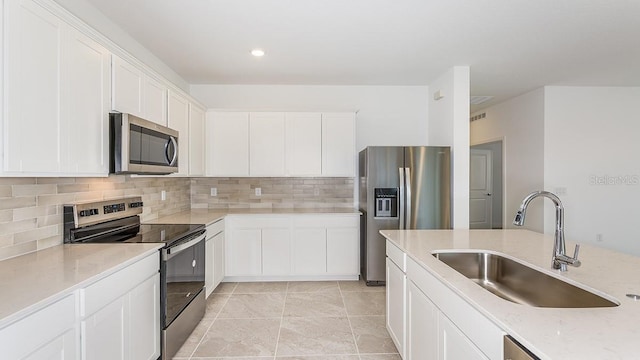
(116,317)
(454,344)
(438,324)
(289,246)
(310,251)
(396,282)
(421,325)
(214,256)
(276,252)
(104,332)
(120,314)
(49,333)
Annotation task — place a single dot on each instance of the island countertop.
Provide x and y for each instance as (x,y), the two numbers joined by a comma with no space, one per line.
(550,333)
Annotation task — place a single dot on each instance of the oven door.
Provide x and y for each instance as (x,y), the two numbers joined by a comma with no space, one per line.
(183,269)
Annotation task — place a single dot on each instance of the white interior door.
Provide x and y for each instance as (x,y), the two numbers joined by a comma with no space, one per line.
(480,189)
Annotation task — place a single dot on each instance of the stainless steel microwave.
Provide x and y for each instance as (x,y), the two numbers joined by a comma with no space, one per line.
(138,146)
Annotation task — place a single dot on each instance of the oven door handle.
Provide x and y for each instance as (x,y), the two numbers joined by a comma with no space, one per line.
(174,250)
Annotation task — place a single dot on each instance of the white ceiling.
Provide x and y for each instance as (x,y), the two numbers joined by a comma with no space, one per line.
(512,46)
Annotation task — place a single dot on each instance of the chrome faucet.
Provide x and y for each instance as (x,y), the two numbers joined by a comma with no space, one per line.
(560,258)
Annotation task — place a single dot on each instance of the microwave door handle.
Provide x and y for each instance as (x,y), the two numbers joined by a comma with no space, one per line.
(174,143)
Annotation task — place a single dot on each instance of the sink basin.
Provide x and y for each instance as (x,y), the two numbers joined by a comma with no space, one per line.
(520,283)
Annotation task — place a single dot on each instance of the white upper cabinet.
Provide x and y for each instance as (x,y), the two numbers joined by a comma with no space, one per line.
(57,98)
(279,144)
(304,144)
(85,106)
(266,144)
(227,143)
(178,110)
(196,140)
(127,87)
(338,144)
(137,93)
(154,101)
(33,46)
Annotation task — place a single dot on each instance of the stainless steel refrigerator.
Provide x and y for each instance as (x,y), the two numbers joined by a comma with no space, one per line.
(401,187)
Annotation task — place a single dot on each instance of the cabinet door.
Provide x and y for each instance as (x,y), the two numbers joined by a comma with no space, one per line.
(196,140)
(218,259)
(34,39)
(127,82)
(105,332)
(421,325)
(338,144)
(209,253)
(343,251)
(61,348)
(154,101)
(244,256)
(453,344)
(309,251)
(304,144)
(144,320)
(85,105)
(227,144)
(179,120)
(396,287)
(276,253)
(266,144)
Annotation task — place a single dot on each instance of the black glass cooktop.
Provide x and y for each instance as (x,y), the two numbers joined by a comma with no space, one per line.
(166,233)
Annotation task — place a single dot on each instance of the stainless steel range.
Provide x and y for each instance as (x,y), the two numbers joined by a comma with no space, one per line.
(182,259)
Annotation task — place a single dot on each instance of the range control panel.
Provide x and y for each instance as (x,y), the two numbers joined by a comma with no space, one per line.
(87,213)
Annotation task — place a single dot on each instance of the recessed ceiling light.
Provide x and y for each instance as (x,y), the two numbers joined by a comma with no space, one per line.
(257,52)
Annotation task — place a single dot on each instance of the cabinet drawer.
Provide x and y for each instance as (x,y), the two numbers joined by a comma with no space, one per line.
(26,335)
(326,221)
(259,222)
(480,330)
(397,256)
(105,291)
(215,228)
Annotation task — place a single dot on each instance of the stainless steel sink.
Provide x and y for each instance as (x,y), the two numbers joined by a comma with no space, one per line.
(520,283)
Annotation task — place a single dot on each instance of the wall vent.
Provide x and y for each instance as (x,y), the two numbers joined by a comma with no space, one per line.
(475,100)
(478,116)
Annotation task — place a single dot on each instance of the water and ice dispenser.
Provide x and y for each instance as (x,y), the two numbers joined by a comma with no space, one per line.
(386,201)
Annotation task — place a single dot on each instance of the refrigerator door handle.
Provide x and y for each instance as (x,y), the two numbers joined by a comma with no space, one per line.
(401,207)
(408,199)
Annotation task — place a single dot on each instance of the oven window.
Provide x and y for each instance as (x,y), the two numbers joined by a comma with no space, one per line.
(184,279)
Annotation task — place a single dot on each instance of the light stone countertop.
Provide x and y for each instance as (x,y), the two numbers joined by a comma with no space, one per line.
(209,216)
(32,281)
(550,333)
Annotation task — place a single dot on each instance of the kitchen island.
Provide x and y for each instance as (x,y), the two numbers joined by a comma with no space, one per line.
(549,333)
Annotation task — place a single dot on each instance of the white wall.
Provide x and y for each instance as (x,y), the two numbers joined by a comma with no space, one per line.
(592,149)
(519,122)
(449,125)
(94,18)
(387,115)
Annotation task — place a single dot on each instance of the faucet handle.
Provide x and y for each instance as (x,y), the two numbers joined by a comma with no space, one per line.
(576,251)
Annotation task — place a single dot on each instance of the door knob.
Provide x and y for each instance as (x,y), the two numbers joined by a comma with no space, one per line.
(488,194)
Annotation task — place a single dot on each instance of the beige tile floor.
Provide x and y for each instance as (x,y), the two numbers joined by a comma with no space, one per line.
(322,320)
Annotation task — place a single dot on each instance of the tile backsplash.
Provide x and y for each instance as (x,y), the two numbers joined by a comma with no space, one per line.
(276,193)
(31,208)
